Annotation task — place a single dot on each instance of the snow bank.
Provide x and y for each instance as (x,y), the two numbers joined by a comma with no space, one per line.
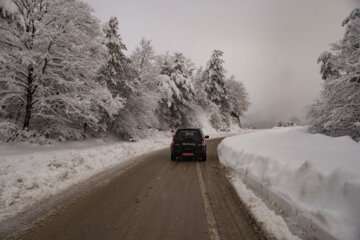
(271,223)
(303,176)
(27,177)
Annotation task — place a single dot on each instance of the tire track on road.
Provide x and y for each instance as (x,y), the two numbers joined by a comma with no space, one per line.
(213,231)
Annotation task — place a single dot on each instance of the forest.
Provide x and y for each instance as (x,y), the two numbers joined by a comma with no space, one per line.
(64,75)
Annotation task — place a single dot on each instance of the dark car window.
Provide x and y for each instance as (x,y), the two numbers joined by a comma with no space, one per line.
(188,135)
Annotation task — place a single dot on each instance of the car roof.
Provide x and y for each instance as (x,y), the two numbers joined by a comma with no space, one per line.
(189,129)
(179,129)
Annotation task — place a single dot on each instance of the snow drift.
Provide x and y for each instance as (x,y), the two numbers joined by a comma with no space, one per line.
(304,177)
(33,173)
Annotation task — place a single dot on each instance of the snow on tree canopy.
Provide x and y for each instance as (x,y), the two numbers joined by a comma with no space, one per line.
(215,79)
(51,54)
(63,76)
(143,57)
(176,79)
(7,7)
(338,109)
(118,72)
(177,89)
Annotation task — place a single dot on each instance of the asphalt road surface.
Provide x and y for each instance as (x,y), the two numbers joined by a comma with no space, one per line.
(155,199)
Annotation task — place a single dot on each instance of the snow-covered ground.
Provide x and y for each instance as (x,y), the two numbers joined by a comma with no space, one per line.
(312,180)
(29,173)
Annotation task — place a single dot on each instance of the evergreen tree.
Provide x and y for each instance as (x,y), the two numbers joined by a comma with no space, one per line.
(118,72)
(177,90)
(215,79)
(214,85)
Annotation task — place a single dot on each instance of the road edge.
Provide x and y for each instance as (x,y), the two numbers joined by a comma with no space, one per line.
(15,226)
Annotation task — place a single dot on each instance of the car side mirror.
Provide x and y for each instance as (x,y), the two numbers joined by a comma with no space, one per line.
(207,137)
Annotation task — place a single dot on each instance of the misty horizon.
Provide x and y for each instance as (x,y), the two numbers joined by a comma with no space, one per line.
(271,46)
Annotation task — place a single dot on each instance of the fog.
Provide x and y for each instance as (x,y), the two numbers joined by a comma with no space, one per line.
(270,45)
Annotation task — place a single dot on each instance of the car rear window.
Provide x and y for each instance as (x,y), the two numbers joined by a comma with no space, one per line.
(188,135)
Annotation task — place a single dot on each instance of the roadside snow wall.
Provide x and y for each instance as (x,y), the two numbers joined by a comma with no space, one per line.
(312,180)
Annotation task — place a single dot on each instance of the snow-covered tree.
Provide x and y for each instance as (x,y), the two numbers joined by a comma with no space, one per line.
(145,62)
(337,112)
(201,96)
(215,79)
(143,57)
(139,113)
(213,82)
(50,55)
(64,76)
(118,72)
(7,8)
(177,89)
(237,98)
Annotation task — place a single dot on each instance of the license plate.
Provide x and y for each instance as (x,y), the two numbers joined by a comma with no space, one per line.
(188,154)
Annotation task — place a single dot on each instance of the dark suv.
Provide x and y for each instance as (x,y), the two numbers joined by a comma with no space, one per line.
(189,143)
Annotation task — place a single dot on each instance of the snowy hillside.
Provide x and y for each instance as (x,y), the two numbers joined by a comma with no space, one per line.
(312,180)
(34,173)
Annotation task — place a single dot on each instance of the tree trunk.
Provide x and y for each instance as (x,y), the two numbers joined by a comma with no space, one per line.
(237,117)
(240,124)
(29,97)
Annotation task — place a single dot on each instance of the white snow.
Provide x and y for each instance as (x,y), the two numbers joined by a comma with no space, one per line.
(205,124)
(7,6)
(312,173)
(31,173)
(272,223)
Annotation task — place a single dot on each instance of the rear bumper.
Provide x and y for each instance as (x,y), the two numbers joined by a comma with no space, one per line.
(188,152)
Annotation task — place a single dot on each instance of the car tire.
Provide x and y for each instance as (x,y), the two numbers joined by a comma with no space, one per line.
(203,157)
(173,157)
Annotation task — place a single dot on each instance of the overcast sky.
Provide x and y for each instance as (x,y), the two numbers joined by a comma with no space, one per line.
(270,45)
